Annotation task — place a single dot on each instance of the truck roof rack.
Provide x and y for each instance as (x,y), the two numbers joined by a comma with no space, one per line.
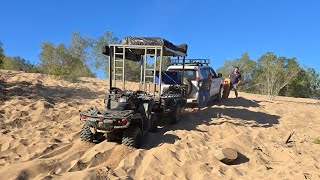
(194,62)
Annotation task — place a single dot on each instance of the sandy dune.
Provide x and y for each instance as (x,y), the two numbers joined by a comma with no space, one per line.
(39,125)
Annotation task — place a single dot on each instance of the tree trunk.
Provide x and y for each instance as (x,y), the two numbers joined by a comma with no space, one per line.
(226,155)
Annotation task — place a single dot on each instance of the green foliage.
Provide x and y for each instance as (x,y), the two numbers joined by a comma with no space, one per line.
(1,55)
(317,141)
(166,60)
(132,71)
(299,86)
(79,46)
(246,67)
(274,75)
(66,62)
(244,63)
(100,61)
(19,64)
(314,79)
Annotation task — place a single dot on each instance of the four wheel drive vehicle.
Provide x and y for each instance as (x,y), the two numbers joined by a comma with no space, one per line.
(129,114)
(195,70)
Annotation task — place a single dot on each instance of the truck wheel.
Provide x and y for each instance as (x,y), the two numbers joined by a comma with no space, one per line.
(132,137)
(218,99)
(154,123)
(176,114)
(188,82)
(86,134)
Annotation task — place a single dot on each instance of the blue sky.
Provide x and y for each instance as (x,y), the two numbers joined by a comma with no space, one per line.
(212,29)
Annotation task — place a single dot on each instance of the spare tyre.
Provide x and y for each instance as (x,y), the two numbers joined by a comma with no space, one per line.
(188,82)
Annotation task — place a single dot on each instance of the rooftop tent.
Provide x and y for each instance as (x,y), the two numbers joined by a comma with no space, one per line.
(154,41)
(135,44)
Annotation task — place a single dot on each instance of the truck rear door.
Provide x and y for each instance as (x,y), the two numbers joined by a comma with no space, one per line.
(216,82)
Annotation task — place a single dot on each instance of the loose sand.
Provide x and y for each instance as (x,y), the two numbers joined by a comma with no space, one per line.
(39,126)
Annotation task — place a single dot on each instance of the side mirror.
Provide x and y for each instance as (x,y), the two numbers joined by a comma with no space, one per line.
(219,75)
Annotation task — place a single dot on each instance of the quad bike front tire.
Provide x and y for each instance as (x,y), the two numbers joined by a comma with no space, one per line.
(86,134)
(132,137)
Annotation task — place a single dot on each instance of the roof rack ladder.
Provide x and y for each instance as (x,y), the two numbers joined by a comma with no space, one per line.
(152,75)
(145,63)
(145,74)
(118,66)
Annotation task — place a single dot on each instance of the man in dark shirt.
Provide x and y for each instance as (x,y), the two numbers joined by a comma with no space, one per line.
(235,78)
(204,91)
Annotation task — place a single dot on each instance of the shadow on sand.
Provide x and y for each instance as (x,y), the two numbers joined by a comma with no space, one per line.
(240,160)
(239,102)
(215,116)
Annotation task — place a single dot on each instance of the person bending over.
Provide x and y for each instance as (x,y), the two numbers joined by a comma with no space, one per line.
(204,91)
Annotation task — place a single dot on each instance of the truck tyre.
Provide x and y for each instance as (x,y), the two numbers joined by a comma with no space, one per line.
(86,134)
(176,114)
(154,123)
(187,82)
(132,137)
(218,99)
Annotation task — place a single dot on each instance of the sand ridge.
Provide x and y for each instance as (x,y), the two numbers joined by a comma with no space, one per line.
(39,125)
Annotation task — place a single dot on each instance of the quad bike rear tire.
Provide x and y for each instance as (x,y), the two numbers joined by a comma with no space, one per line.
(176,114)
(154,123)
(132,137)
(86,134)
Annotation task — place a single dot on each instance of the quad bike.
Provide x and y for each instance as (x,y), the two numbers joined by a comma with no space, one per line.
(126,122)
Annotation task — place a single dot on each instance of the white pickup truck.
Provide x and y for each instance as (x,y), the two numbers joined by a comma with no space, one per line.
(195,70)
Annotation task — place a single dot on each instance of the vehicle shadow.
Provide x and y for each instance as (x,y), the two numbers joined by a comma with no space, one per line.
(215,116)
(152,140)
(239,102)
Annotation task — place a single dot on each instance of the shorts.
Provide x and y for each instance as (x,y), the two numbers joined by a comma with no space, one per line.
(235,85)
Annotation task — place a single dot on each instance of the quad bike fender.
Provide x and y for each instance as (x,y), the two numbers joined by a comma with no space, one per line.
(137,120)
(123,127)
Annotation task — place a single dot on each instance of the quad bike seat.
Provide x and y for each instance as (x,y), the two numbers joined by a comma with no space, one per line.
(120,107)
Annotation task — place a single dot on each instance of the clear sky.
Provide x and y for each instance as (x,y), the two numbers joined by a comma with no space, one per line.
(215,29)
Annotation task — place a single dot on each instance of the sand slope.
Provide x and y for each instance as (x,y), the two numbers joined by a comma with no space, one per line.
(39,126)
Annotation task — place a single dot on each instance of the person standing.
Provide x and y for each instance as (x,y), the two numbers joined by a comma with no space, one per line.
(204,91)
(235,78)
